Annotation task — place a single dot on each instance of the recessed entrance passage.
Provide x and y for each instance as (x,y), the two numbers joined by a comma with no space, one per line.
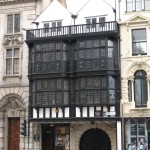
(95,139)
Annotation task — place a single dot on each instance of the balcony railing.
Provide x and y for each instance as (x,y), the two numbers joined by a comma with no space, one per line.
(73,30)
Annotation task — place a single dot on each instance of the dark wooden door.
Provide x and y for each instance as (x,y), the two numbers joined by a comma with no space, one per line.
(95,139)
(47,133)
(13,133)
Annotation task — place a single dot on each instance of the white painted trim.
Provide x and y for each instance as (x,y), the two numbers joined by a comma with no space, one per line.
(119,136)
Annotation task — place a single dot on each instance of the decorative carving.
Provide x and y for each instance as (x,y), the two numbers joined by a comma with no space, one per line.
(12,104)
(13,40)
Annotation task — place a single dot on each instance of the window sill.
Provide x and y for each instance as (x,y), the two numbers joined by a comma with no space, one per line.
(11,76)
(139,109)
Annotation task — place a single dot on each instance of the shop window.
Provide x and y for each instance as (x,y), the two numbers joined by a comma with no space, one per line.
(136,135)
(62,138)
(139,42)
(140,89)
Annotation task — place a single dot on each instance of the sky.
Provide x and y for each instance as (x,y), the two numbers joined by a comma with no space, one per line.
(75,5)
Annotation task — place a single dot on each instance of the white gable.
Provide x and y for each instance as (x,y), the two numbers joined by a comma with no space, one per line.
(94,8)
(54,12)
(87,9)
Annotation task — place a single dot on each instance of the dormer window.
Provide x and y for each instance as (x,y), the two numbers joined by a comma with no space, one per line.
(91,22)
(55,25)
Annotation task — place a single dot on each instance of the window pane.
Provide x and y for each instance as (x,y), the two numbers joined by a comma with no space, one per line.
(144,91)
(10,24)
(138,5)
(9,53)
(147,4)
(9,66)
(16,66)
(16,52)
(140,88)
(102,22)
(53,26)
(139,35)
(110,52)
(139,41)
(93,22)
(137,92)
(88,21)
(139,48)
(129,5)
(96,53)
(111,82)
(17,23)
(46,26)
(59,24)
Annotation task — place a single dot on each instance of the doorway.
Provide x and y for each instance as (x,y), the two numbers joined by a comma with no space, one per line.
(95,139)
(47,136)
(13,133)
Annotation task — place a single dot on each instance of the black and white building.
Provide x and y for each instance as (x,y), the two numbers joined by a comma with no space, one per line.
(74,78)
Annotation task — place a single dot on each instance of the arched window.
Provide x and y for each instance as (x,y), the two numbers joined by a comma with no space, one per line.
(140,89)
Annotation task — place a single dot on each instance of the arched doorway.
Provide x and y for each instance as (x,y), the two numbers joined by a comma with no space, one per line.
(95,139)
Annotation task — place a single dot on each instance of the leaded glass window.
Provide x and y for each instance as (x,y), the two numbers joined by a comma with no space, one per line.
(49,57)
(51,91)
(96,90)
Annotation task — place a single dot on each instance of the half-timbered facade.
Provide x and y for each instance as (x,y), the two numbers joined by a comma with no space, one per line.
(74,79)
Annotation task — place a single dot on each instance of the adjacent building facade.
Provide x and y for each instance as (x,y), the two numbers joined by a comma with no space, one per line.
(15,16)
(74,78)
(135,72)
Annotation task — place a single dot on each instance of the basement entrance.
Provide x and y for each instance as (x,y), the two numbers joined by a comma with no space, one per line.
(95,139)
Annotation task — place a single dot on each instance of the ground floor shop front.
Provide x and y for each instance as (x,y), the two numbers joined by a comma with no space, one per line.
(97,135)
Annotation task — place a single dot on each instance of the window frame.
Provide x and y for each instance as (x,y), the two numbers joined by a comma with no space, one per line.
(14,29)
(140,78)
(136,41)
(92,22)
(12,58)
(134,5)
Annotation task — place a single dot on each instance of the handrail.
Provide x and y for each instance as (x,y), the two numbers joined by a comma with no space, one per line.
(72,30)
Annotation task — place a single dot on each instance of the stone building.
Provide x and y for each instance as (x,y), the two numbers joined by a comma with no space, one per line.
(135,73)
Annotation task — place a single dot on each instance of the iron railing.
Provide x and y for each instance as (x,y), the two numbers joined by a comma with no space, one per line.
(73,30)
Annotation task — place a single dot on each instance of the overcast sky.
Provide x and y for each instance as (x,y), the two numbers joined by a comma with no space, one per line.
(75,5)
